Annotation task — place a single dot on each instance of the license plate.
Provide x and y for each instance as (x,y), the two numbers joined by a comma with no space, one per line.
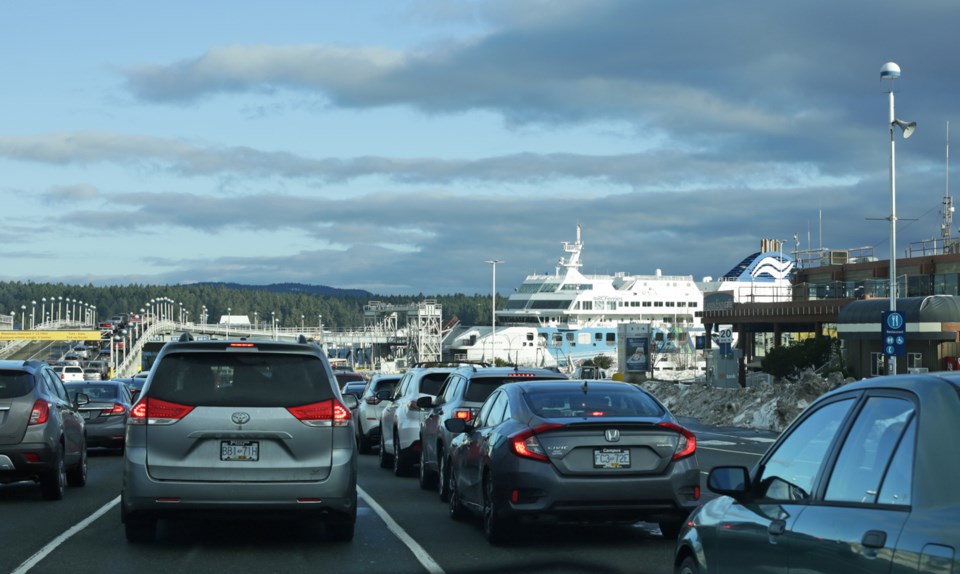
(611,458)
(240,450)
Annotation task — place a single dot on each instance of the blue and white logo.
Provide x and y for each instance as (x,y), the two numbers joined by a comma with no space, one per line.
(894,320)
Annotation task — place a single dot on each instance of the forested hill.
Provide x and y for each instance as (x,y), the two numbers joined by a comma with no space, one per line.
(291,303)
(296,288)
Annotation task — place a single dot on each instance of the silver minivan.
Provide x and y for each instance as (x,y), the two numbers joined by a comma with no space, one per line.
(240,426)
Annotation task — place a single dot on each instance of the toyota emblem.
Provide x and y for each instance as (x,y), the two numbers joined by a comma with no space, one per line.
(240,418)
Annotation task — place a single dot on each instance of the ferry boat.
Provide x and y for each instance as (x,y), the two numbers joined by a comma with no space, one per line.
(565,318)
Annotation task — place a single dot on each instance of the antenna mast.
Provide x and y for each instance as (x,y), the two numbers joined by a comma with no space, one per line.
(947,212)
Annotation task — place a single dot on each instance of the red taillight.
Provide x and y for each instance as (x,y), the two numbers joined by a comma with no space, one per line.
(157,412)
(116,410)
(464,414)
(687,444)
(323,414)
(246,345)
(525,443)
(40,412)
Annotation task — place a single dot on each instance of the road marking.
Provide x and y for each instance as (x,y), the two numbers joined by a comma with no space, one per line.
(733,451)
(418,551)
(52,545)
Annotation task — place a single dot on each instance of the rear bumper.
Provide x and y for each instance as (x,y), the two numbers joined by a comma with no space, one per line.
(110,433)
(335,496)
(14,464)
(535,489)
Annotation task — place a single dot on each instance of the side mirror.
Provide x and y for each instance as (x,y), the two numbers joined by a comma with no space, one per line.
(384,395)
(732,481)
(350,401)
(82,399)
(425,402)
(455,426)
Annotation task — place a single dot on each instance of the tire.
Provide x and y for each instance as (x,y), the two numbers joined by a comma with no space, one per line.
(341,531)
(689,566)
(53,482)
(497,529)
(443,472)
(671,528)
(456,508)
(428,478)
(363,445)
(77,476)
(400,466)
(386,460)
(139,530)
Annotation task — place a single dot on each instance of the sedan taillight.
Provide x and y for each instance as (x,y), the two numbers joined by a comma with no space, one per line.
(525,444)
(687,445)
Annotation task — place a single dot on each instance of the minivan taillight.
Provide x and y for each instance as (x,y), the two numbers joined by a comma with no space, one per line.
(157,412)
(40,412)
(687,444)
(323,414)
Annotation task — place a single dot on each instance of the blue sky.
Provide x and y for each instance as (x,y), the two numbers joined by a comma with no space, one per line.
(395,146)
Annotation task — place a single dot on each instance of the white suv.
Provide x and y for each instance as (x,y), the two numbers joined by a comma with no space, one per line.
(69,373)
(400,421)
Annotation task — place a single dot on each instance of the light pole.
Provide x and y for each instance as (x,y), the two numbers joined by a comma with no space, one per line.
(273,323)
(23,317)
(255,324)
(320,327)
(229,309)
(43,310)
(890,71)
(301,323)
(33,315)
(60,308)
(493,312)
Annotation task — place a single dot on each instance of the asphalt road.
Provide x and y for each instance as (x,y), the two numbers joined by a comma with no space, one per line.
(400,529)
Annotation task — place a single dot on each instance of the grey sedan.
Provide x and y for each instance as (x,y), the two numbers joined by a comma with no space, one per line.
(582,451)
(862,481)
(106,413)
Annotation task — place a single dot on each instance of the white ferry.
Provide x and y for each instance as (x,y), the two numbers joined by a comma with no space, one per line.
(563,319)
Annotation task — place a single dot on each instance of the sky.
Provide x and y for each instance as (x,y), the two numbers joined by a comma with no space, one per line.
(398,146)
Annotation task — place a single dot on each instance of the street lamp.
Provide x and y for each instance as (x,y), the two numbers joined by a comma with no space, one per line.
(273,323)
(301,323)
(890,71)
(23,316)
(60,308)
(33,315)
(229,309)
(43,310)
(493,311)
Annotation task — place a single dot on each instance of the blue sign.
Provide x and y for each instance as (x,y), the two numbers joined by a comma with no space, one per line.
(894,334)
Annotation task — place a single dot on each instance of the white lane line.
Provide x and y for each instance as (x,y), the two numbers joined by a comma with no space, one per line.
(52,545)
(733,451)
(418,551)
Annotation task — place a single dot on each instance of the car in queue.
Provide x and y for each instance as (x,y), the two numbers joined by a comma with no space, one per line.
(374,399)
(354,388)
(401,418)
(862,481)
(460,397)
(69,373)
(42,434)
(572,451)
(240,427)
(106,413)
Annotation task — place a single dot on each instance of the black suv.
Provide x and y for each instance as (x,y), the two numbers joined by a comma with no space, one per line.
(42,434)
(460,397)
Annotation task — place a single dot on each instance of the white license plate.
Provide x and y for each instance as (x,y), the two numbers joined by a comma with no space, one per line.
(240,450)
(611,458)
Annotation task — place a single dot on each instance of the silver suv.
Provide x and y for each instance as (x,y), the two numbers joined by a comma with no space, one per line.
(242,426)
(42,435)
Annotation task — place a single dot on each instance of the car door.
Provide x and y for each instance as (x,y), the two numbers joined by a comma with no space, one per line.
(751,532)
(73,425)
(390,411)
(484,440)
(467,447)
(855,525)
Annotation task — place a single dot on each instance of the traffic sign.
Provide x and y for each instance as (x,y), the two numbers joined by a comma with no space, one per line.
(894,334)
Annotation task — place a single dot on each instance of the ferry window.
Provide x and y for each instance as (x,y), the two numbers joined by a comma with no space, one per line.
(647,304)
(671,304)
(682,336)
(529,336)
(681,303)
(557,339)
(658,303)
(658,337)
(611,338)
(588,305)
(692,304)
(671,336)
(598,336)
(611,305)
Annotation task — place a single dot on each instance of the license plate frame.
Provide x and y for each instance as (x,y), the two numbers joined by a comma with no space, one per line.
(611,458)
(239,450)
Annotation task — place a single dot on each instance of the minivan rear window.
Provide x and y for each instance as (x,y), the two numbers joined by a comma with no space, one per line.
(226,379)
(15,384)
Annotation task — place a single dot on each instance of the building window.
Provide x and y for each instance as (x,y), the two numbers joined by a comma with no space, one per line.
(876,364)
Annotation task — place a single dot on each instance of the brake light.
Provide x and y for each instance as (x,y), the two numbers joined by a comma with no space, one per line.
(687,445)
(323,414)
(464,414)
(525,444)
(40,412)
(520,376)
(157,412)
(241,345)
(116,410)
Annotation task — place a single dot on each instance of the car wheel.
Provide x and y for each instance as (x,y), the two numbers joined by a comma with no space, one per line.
(385,459)
(77,476)
(457,510)
(689,566)
(53,483)
(428,478)
(671,529)
(341,531)
(496,528)
(140,529)
(363,445)
(400,466)
(444,474)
